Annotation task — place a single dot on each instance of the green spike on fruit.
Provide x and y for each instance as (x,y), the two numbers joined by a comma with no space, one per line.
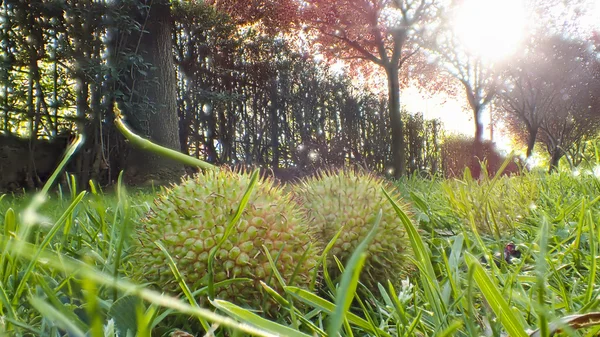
(352,199)
(191,218)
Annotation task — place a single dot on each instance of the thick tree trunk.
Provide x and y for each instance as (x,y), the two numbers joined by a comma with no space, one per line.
(156,89)
(398,155)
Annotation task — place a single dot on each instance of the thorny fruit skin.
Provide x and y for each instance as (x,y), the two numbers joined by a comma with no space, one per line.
(189,219)
(353,199)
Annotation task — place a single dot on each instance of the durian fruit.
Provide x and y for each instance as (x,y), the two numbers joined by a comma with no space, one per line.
(353,199)
(189,219)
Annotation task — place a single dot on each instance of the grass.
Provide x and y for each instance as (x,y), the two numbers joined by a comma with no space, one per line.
(64,268)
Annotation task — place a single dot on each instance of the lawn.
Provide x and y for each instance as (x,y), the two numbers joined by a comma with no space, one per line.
(65,268)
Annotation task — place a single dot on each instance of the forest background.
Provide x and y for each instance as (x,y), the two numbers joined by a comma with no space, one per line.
(245,84)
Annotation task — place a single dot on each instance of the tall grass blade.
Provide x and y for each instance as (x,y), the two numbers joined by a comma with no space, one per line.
(147,145)
(349,282)
(495,299)
(321,304)
(6,310)
(451,330)
(39,248)
(428,278)
(253,319)
(10,228)
(323,262)
(228,231)
(77,268)
(120,227)
(593,242)
(56,317)
(181,281)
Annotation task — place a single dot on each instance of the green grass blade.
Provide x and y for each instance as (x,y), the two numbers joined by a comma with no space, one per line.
(10,222)
(540,270)
(69,153)
(121,227)
(349,282)
(254,320)
(428,278)
(329,246)
(10,227)
(319,303)
(495,299)
(77,268)
(275,295)
(593,257)
(181,281)
(273,266)
(23,326)
(451,329)
(286,304)
(55,302)
(39,248)
(395,302)
(6,305)
(147,145)
(56,316)
(414,324)
(228,231)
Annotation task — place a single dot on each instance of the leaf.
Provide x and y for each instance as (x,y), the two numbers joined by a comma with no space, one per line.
(573,321)
(122,311)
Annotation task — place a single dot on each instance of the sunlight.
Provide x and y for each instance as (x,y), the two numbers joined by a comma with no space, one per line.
(491,29)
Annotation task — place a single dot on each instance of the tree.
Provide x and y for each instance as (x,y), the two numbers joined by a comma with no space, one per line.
(477,77)
(382,32)
(379,32)
(528,95)
(150,100)
(553,88)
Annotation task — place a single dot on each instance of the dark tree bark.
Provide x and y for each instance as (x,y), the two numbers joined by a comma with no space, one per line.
(477,102)
(274,124)
(557,153)
(396,123)
(155,114)
(531,139)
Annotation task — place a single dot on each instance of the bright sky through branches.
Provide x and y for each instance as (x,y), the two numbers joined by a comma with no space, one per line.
(492,29)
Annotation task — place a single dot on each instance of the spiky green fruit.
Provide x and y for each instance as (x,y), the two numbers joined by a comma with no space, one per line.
(353,199)
(189,220)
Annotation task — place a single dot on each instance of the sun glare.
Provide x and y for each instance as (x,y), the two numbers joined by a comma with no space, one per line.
(491,29)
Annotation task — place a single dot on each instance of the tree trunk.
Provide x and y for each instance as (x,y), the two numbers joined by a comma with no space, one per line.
(274,114)
(478,154)
(155,115)
(556,154)
(531,141)
(398,156)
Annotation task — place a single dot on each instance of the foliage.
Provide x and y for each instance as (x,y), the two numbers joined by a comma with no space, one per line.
(243,97)
(551,96)
(457,155)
